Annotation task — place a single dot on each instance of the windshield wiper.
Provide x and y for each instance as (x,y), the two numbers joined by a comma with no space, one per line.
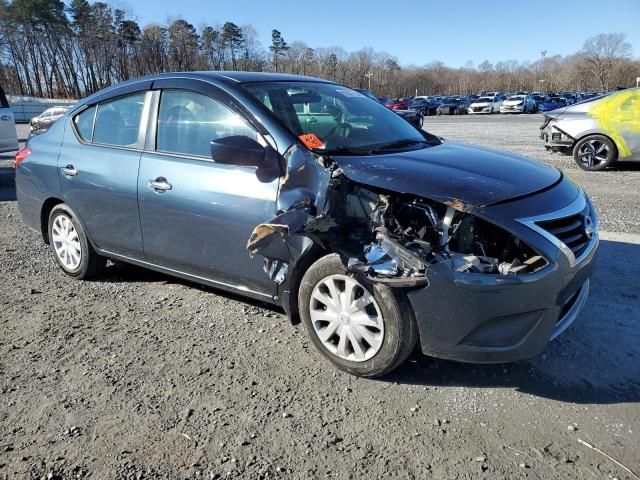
(341,151)
(398,144)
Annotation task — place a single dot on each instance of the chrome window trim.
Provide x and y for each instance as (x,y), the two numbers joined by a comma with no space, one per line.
(575,207)
(136,147)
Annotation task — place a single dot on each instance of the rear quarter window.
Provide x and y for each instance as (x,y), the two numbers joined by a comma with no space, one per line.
(84,123)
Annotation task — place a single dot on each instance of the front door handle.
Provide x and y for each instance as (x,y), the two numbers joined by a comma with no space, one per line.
(160,184)
(5,118)
(69,171)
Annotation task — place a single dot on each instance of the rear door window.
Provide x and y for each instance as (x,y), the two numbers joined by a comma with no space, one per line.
(118,121)
(189,121)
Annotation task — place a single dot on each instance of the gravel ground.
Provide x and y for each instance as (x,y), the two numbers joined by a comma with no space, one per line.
(137,375)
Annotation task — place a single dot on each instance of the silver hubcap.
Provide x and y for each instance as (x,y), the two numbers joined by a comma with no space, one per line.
(593,153)
(66,242)
(346,318)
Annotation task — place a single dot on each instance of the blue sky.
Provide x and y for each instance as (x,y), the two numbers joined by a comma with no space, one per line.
(416,32)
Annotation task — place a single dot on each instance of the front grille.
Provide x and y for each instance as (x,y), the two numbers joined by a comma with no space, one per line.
(478,109)
(569,230)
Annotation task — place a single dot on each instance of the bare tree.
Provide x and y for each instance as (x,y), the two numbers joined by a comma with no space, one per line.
(73,48)
(602,52)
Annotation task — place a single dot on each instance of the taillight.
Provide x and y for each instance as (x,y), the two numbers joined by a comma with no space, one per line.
(21,155)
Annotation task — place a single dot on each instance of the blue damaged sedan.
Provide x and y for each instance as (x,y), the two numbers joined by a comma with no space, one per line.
(375,234)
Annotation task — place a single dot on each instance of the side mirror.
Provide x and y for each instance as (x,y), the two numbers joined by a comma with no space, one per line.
(238,150)
(247,152)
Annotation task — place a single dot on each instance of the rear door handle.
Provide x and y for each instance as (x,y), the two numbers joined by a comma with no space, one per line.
(69,171)
(5,118)
(159,184)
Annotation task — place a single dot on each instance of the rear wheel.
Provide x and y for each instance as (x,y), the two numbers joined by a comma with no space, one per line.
(70,246)
(594,153)
(363,329)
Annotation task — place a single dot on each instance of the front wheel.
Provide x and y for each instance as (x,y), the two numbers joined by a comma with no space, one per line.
(594,153)
(363,329)
(70,245)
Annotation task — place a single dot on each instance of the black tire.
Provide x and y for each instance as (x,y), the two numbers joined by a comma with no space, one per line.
(400,328)
(593,143)
(90,262)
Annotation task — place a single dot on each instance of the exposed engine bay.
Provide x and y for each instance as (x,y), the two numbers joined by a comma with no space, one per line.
(391,238)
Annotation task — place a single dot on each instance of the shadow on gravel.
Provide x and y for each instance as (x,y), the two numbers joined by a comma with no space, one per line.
(120,273)
(597,360)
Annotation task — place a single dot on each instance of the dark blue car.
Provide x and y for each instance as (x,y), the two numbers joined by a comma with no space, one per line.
(311,196)
(552,103)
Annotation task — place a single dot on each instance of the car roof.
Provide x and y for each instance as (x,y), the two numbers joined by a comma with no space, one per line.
(214,77)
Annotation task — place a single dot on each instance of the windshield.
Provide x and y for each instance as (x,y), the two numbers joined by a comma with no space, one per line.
(326,116)
(516,97)
(484,100)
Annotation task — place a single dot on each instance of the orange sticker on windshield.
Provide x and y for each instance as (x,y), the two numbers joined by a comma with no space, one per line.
(311,140)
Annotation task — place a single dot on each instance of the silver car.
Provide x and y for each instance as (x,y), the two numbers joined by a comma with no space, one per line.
(42,122)
(599,131)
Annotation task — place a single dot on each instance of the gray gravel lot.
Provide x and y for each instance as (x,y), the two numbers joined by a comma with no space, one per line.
(139,375)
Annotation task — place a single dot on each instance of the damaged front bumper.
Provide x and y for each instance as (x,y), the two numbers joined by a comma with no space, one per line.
(473,317)
(476,318)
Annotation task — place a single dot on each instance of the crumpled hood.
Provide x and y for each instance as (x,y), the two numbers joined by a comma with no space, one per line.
(513,102)
(466,175)
(480,104)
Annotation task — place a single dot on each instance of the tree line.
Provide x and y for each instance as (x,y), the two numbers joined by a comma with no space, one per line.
(49,49)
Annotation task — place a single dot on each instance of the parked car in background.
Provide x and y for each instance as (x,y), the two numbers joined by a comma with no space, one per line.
(485,105)
(424,105)
(398,103)
(42,122)
(376,235)
(539,98)
(518,103)
(599,131)
(8,133)
(500,95)
(570,97)
(551,103)
(413,116)
(453,106)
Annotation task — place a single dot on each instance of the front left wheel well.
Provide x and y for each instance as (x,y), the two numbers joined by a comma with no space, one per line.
(615,145)
(290,300)
(47,206)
